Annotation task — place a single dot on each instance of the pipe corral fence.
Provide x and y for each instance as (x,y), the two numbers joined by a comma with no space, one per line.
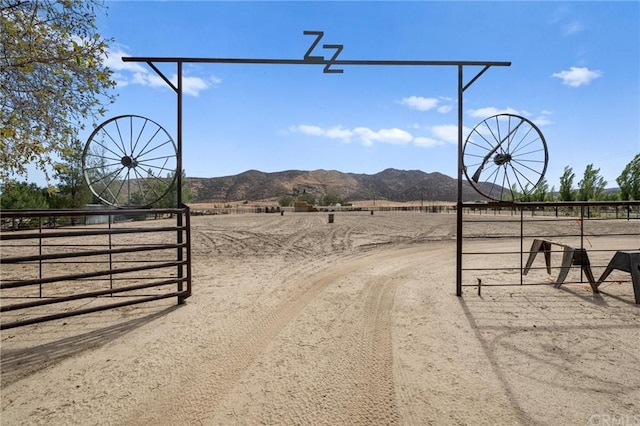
(63,263)
(553,243)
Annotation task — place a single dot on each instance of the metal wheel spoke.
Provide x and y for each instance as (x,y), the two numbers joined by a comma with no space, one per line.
(124,148)
(526,167)
(104,130)
(149,141)
(153,166)
(153,149)
(144,125)
(140,180)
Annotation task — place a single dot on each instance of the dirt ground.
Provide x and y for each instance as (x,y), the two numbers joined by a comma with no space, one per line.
(296,321)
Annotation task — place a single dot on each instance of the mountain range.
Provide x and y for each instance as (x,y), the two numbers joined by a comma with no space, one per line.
(389,184)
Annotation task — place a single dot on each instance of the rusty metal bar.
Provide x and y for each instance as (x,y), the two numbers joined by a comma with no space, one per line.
(22,259)
(87,310)
(84,232)
(92,212)
(188,247)
(51,301)
(72,277)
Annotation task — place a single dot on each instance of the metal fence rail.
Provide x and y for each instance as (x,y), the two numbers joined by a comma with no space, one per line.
(61,263)
(499,241)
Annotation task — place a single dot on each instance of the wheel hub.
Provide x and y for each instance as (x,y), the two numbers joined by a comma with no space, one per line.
(128,162)
(501,159)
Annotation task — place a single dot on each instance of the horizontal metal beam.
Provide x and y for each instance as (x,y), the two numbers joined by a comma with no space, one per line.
(71,277)
(314,61)
(88,253)
(92,294)
(74,232)
(67,314)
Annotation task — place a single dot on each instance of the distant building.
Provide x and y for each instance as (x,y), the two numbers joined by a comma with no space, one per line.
(303,207)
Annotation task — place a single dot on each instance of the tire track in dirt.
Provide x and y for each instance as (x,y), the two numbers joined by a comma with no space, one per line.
(216,366)
(376,401)
(343,370)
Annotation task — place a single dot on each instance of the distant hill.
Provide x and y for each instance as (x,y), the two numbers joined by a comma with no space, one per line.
(389,184)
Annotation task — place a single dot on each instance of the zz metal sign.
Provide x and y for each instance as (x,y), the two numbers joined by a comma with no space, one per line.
(338,48)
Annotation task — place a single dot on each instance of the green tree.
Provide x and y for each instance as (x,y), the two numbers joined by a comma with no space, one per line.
(541,191)
(566,192)
(331,199)
(551,194)
(514,195)
(285,201)
(592,185)
(73,191)
(309,198)
(53,79)
(629,180)
(22,195)
(170,199)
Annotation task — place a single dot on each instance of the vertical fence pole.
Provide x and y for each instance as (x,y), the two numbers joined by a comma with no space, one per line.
(582,234)
(521,244)
(188,240)
(179,183)
(40,253)
(459,203)
(110,254)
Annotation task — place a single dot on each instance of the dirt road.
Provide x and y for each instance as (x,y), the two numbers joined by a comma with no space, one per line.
(296,321)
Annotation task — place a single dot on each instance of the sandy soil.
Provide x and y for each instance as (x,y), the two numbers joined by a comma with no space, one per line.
(296,321)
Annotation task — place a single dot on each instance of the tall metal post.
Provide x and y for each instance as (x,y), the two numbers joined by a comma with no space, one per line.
(459,204)
(179,136)
(178,181)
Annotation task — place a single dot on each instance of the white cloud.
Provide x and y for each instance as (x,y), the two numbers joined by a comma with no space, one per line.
(336,132)
(366,135)
(572,28)
(542,119)
(427,142)
(427,104)
(577,76)
(125,73)
(438,135)
(448,133)
(491,111)
(307,129)
(420,103)
(392,136)
(339,132)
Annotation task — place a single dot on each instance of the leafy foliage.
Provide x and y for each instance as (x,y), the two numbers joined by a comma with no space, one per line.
(541,191)
(53,80)
(592,185)
(629,180)
(331,199)
(285,201)
(73,191)
(309,198)
(170,199)
(566,192)
(22,195)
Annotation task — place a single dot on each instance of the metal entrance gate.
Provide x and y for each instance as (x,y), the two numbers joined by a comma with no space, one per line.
(58,264)
(575,242)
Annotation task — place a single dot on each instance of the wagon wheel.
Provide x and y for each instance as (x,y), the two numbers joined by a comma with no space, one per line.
(505,157)
(129,161)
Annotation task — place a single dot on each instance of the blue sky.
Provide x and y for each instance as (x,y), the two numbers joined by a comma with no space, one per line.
(575,73)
